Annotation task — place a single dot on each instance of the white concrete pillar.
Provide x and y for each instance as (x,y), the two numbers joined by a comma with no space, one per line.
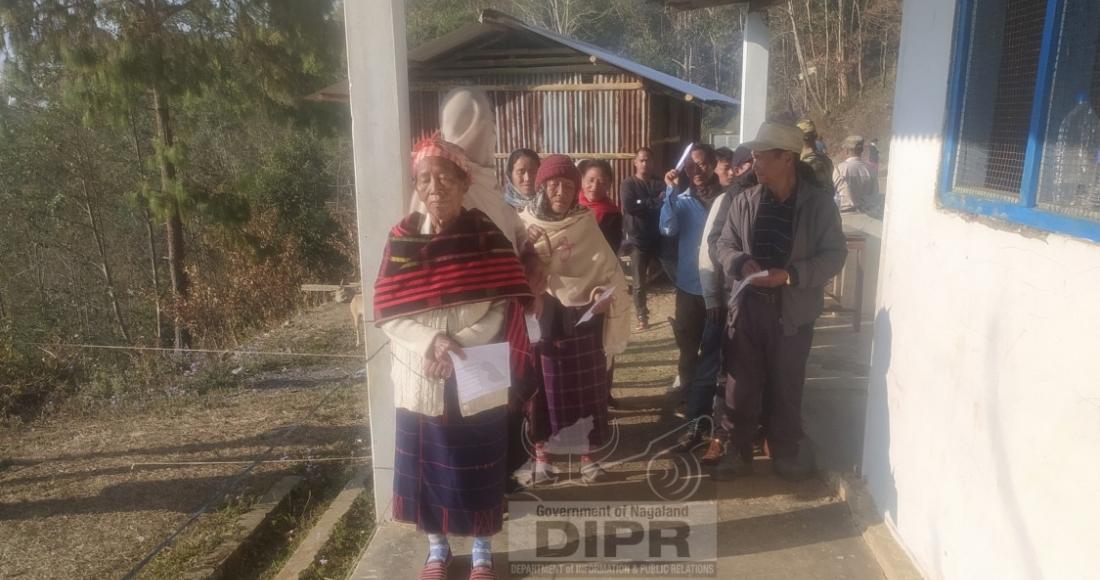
(754,74)
(378,79)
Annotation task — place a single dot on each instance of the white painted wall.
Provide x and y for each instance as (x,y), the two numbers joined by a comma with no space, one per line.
(983,434)
(378,77)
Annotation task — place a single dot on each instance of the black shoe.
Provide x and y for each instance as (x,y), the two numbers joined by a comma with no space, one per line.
(796,467)
(689,440)
(731,466)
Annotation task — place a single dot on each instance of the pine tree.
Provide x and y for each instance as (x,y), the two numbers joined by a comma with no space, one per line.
(118,56)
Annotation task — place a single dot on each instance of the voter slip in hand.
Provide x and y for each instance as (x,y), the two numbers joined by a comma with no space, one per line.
(603,297)
(740,286)
(484,371)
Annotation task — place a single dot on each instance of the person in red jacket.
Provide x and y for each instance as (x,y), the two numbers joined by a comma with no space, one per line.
(595,194)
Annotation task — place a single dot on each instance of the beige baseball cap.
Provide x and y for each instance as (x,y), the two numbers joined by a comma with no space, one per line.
(776,136)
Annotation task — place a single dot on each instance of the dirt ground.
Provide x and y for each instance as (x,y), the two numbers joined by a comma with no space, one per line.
(89,497)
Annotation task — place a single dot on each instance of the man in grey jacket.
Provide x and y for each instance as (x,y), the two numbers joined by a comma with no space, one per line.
(786,235)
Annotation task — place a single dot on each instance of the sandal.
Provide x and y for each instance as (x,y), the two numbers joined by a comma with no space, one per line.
(483,572)
(435,570)
(592,472)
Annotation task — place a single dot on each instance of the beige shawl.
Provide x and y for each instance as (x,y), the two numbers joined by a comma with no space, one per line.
(580,265)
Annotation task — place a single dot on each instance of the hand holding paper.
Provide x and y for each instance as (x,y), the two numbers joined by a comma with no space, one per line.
(684,157)
(744,283)
(484,371)
(599,306)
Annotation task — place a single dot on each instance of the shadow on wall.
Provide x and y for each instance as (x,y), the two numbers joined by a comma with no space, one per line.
(877,468)
(1025,553)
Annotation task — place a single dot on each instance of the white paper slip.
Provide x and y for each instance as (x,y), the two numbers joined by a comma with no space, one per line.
(603,297)
(485,371)
(534,332)
(740,286)
(684,157)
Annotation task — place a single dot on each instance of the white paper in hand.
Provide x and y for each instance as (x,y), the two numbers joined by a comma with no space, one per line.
(534,332)
(603,297)
(485,371)
(745,283)
(684,157)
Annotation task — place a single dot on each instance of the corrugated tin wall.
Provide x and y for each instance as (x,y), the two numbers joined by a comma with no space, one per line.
(591,116)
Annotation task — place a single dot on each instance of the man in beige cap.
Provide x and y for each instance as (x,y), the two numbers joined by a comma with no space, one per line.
(855,182)
(785,234)
(814,156)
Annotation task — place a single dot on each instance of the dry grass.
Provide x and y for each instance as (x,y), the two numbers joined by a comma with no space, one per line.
(78,501)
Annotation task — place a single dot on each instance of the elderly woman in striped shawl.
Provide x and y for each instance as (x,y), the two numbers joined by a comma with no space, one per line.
(449,279)
(576,356)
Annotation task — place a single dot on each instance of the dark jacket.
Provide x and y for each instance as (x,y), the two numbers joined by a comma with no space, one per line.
(641,202)
(612,227)
(818,250)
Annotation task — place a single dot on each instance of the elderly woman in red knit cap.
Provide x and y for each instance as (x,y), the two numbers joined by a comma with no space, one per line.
(449,279)
(583,274)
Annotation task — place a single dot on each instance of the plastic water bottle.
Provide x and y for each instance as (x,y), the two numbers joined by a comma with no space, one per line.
(1077,158)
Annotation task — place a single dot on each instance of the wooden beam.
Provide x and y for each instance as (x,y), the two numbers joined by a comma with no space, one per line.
(550,88)
(328,287)
(519,52)
(591,69)
(549,61)
(608,156)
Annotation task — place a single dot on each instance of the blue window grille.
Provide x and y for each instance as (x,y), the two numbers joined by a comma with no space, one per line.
(1022,69)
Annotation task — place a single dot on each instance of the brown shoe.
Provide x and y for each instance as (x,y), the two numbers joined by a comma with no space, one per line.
(643,325)
(715,452)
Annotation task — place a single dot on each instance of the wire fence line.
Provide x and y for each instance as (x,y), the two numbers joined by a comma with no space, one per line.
(196,350)
(233,482)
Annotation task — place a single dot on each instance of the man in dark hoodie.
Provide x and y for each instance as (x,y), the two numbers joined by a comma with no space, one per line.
(642,195)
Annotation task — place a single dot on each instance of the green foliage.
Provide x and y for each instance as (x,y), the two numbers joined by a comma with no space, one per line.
(30,380)
(88,180)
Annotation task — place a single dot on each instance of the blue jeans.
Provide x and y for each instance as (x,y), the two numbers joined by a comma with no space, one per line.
(700,392)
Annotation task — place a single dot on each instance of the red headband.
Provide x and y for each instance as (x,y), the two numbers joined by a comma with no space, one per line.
(435,146)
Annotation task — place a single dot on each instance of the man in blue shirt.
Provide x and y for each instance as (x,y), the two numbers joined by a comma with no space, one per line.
(683,218)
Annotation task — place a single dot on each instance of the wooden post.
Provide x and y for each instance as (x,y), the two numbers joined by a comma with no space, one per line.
(379,91)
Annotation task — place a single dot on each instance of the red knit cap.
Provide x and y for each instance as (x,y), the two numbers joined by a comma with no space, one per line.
(557,166)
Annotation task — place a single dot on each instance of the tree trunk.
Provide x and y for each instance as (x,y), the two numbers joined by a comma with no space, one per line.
(859,44)
(841,58)
(828,53)
(883,55)
(151,239)
(154,271)
(813,43)
(174,223)
(801,56)
(101,249)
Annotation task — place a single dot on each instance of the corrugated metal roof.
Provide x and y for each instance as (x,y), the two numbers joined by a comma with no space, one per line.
(492,21)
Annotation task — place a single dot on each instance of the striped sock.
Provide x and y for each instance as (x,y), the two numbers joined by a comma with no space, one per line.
(438,548)
(482,553)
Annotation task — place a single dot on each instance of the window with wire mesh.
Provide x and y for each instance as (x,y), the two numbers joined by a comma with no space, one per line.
(1069,180)
(999,87)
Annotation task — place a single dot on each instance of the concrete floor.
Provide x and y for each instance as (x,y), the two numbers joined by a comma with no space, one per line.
(765,527)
